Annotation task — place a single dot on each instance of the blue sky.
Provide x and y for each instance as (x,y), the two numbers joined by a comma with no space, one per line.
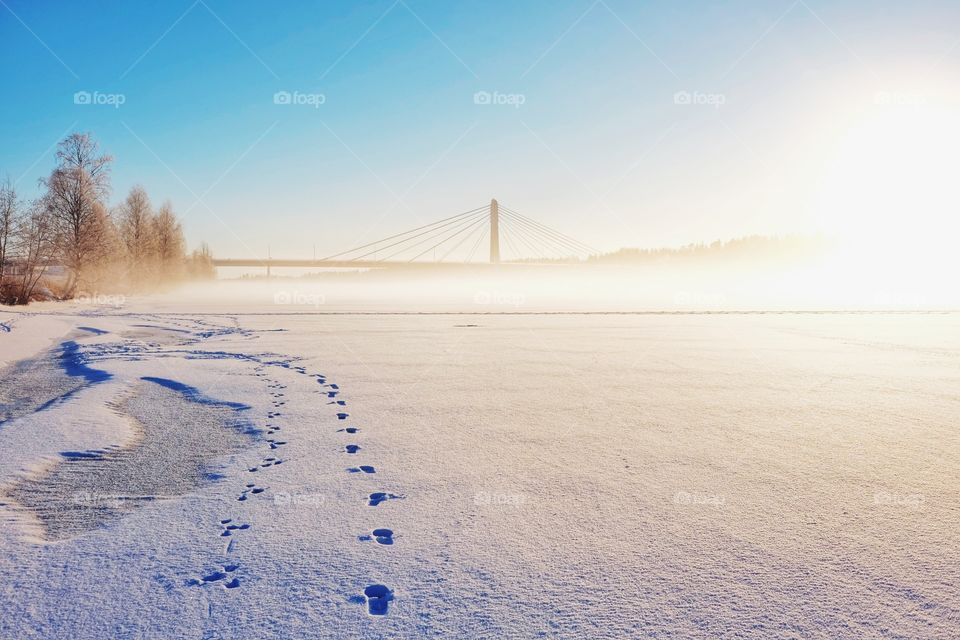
(599,147)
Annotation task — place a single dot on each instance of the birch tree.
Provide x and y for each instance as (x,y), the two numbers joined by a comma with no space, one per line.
(76,191)
(136,230)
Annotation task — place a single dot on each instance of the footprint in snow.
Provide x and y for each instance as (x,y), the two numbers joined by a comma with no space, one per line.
(378,599)
(382,536)
(251,488)
(349,430)
(228,526)
(382,496)
(218,577)
(342,416)
(365,468)
(352,448)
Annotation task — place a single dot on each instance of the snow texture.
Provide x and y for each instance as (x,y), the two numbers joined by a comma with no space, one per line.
(174,473)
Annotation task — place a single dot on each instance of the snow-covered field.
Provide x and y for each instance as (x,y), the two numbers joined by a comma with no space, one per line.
(185,469)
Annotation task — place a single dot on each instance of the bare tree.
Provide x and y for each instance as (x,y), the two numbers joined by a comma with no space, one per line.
(70,226)
(200,264)
(76,190)
(136,228)
(9,214)
(169,243)
(105,262)
(38,246)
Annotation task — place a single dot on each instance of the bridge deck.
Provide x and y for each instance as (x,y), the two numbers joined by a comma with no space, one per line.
(337,264)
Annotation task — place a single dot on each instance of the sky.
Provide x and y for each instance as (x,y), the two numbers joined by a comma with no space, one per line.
(618,123)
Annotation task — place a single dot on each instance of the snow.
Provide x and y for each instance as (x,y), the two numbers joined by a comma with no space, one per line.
(559,476)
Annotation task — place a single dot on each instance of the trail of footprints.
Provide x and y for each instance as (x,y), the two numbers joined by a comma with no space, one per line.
(228,574)
(377,597)
(231,527)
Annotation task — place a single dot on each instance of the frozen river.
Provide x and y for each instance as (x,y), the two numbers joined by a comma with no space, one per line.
(170,471)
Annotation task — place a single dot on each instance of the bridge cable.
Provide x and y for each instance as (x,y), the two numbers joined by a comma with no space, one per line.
(476,244)
(522,238)
(449,221)
(544,244)
(509,243)
(455,233)
(567,247)
(582,246)
(370,244)
(554,240)
(535,236)
(427,230)
(550,230)
(462,240)
(435,233)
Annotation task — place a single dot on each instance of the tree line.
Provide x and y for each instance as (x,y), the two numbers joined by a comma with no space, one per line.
(756,248)
(69,242)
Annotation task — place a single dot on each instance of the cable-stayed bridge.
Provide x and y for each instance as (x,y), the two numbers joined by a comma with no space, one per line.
(492,234)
